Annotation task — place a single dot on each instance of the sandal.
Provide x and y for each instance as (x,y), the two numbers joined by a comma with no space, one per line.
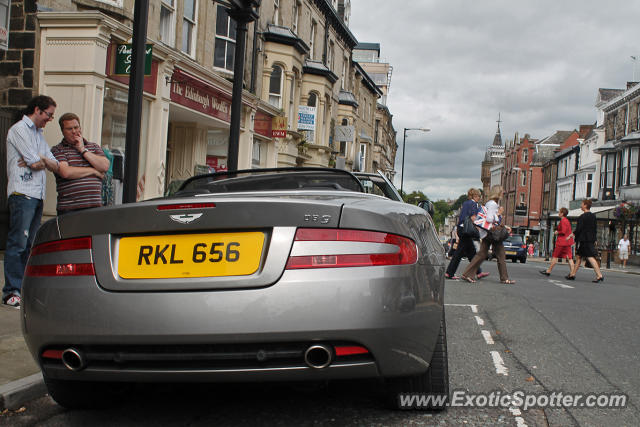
(508,282)
(467,279)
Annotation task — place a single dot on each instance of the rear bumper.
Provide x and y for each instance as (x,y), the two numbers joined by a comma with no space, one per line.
(394,312)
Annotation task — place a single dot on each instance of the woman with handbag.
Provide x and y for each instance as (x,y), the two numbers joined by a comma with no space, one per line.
(492,233)
(465,231)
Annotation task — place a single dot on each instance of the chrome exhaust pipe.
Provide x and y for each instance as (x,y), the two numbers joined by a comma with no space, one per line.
(318,356)
(73,359)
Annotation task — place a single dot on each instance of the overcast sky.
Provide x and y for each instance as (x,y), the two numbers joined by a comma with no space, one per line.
(458,63)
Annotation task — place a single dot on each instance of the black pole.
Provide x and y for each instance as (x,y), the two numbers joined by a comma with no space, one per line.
(236,101)
(134,110)
(404,140)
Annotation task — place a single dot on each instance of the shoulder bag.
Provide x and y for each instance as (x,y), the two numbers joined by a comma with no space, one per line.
(497,233)
(469,229)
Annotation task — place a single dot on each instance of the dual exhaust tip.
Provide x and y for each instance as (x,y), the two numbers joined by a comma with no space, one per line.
(317,356)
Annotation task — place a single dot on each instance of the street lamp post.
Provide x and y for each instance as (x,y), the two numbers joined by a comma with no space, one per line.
(243,12)
(404,141)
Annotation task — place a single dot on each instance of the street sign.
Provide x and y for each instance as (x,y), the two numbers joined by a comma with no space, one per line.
(123,60)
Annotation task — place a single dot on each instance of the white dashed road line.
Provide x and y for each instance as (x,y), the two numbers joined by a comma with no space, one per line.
(560,284)
(487,337)
(499,364)
(479,321)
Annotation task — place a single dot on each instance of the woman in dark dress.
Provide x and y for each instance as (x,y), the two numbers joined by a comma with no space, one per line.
(585,236)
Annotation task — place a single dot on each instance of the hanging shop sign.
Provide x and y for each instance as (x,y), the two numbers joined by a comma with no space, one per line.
(195,94)
(344,133)
(262,124)
(279,127)
(306,118)
(124,54)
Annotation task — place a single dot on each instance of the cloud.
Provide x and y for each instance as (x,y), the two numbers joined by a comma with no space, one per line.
(457,64)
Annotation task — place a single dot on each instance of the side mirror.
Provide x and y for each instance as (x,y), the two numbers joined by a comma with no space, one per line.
(427,206)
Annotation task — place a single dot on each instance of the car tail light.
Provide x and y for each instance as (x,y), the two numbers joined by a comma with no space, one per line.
(65,269)
(523,246)
(334,248)
(62,245)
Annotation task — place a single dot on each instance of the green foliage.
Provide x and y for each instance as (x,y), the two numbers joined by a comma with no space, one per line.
(459,202)
(414,197)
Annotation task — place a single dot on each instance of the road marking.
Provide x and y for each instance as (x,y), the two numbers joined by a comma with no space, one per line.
(499,364)
(560,284)
(479,321)
(487,337)
(519,420)
(474,307)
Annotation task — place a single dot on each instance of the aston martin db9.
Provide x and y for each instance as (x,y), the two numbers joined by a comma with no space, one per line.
(256,275)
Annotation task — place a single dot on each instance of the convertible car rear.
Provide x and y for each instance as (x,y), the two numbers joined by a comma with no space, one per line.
(286,274)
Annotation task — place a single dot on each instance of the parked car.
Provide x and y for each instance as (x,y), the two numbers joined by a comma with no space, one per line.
(256,275)
(515,249)
(378,183)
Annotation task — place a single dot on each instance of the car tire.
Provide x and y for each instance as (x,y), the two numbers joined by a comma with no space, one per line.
(85,394)
(523,260)
(514,260)
(434,382)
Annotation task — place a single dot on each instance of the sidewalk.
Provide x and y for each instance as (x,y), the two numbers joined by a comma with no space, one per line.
(20,378)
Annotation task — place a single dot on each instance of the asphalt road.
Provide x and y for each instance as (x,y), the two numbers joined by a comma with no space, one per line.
(539,336)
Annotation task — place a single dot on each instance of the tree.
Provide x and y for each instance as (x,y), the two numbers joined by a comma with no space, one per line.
(414,197)
(459,202)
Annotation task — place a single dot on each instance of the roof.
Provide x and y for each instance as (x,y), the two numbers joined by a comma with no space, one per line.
(347,98)
(605,95)
(368,46)
(497,139)
(558,137)
(566,151)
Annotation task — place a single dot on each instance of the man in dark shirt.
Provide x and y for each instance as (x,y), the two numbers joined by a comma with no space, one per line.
(82,165)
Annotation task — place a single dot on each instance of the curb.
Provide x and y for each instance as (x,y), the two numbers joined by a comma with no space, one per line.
(16,393)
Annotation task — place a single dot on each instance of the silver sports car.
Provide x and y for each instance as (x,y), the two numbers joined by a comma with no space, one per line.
(256,275)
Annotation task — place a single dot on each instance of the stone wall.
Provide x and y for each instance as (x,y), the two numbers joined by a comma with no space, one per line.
(17,63)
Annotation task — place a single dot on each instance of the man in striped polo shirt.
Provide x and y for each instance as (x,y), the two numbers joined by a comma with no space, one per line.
(82,165)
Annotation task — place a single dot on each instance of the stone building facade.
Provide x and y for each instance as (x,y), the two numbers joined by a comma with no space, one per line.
(298,60)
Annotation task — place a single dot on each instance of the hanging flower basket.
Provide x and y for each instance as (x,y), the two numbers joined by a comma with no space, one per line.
(625,211)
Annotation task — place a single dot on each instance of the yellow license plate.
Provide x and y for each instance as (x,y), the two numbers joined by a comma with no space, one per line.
(190,255)
(510,252)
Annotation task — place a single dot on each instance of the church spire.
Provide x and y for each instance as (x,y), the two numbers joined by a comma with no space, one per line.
(497,140)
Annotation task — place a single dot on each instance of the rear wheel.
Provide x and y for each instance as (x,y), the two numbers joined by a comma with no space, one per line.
(523,260)
(85,394)
(433,385)
(514,259)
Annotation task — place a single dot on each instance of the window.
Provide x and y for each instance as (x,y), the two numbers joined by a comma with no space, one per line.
(292,100)
(296,16)
(312,53)
(312,101)
(225,40)
(256,156)
(188,27)
(363,156)
(522,198)
(589,185)
(523,178)
(525,155)
(638,116)
(611,158)
(625,167)
(167,22)
(275,87)
(276,12)
(633,165)
(330,57)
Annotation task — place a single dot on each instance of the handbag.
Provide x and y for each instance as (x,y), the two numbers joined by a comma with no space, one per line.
(469,229)
(497,233)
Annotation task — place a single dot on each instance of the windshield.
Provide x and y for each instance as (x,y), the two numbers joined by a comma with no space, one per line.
(516,240)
